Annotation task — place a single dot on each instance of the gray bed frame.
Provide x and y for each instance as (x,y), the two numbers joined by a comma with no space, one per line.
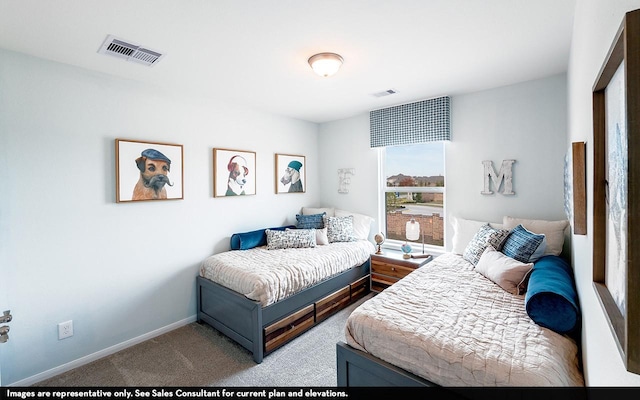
(357,368)
(245,320)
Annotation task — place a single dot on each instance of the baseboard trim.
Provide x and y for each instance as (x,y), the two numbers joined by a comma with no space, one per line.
(32,380)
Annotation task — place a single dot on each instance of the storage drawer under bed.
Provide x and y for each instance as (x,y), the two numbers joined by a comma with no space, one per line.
(287,328)
(328,305)
(359,288)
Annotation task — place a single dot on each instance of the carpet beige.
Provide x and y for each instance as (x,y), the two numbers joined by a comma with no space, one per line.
(198,355)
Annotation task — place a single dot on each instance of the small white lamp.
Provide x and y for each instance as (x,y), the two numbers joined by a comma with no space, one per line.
(413,229)
(412,232)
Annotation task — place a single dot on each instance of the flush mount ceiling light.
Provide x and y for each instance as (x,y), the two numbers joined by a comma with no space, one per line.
(325,64)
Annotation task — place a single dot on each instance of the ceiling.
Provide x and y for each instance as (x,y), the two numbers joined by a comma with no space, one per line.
(254,52)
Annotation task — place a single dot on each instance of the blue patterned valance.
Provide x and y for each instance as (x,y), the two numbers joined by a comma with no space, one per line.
(419,122)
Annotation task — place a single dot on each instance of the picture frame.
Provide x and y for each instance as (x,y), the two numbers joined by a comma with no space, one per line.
(148,171)
(290,174)
(579,188)
(616,192)
(234,173)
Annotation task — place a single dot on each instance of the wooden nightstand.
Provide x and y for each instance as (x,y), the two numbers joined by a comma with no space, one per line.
(390,267)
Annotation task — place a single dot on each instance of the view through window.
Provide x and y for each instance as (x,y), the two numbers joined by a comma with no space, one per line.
(414,188)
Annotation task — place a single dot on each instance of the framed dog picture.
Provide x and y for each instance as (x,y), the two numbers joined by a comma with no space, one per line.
(148,171)
(234,173)
(290,174)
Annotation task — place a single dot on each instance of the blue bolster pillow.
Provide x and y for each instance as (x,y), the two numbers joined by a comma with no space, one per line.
(551,299)
(249,240)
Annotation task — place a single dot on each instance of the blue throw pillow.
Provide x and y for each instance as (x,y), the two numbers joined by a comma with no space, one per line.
(249,240)
(523,245)
(551,299)
(312,221)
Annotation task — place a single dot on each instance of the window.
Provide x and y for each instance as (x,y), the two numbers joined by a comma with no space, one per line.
(412,185)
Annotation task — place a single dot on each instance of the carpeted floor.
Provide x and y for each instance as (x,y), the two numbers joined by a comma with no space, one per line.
(198,355)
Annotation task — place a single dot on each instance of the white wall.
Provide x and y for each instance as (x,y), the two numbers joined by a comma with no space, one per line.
(525,122)
(345,144)
(595,25)
(119,271)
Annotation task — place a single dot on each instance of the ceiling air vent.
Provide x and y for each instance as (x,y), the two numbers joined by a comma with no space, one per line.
(129,51)
(385,93)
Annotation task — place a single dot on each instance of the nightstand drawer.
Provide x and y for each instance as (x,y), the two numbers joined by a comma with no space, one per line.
(398,271)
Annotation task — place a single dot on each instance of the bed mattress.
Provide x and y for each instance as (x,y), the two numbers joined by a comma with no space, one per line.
(269,276)
(452,326)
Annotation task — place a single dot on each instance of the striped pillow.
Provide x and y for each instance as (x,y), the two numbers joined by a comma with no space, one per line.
(523,245)
(314,221)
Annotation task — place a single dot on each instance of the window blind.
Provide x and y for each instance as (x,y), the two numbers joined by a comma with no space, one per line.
(419,122)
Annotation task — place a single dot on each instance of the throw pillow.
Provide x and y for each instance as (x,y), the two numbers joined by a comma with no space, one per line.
(524,245)
(506,272)
(485,236)
(321,237)
(551,300)
(249,240)
(340,229)
(313,221)
(463,232)
(290,239)
(553,231)
(361,223)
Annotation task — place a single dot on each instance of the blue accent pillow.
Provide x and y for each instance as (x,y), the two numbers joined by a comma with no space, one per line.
(249,240)
(551,299)
(313,221)
(523,245)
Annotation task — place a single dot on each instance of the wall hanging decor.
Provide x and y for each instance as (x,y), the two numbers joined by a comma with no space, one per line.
(616,189)
(568,184)
(148,171)
(579,188)
(290,173)
(504,176)
(234,172)
(344,179)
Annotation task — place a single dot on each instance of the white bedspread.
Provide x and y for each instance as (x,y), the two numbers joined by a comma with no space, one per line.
(269,276)
(452,326)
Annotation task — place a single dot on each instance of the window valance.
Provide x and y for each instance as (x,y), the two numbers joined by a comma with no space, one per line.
(419,122)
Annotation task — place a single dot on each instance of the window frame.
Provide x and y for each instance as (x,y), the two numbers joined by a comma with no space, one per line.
(383,189)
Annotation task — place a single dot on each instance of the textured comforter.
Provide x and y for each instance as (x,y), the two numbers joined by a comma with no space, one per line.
(269,276)
(452,326)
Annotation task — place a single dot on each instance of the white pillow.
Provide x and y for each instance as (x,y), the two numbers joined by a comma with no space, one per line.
(510,274)
(321,236)
(464,230)
(552,230)
(311,210)
(361,223)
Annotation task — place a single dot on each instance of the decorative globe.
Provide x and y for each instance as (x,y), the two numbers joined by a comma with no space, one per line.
(406,249)
(379,238)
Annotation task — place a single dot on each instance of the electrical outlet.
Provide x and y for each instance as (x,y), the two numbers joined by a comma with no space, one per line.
(65,329)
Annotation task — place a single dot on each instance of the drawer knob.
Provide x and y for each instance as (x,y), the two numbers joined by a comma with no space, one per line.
(393,268)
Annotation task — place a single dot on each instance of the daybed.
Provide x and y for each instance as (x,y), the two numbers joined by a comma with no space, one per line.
(277,283)
(499,310)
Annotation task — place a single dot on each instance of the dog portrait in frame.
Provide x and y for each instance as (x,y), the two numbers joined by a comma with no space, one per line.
(290,173)
(148,171)
(234,173)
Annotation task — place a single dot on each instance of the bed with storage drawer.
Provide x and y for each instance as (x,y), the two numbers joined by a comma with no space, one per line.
(500,309)
(277,283)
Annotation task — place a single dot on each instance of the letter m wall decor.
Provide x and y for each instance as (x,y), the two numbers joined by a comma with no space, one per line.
(505,175)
